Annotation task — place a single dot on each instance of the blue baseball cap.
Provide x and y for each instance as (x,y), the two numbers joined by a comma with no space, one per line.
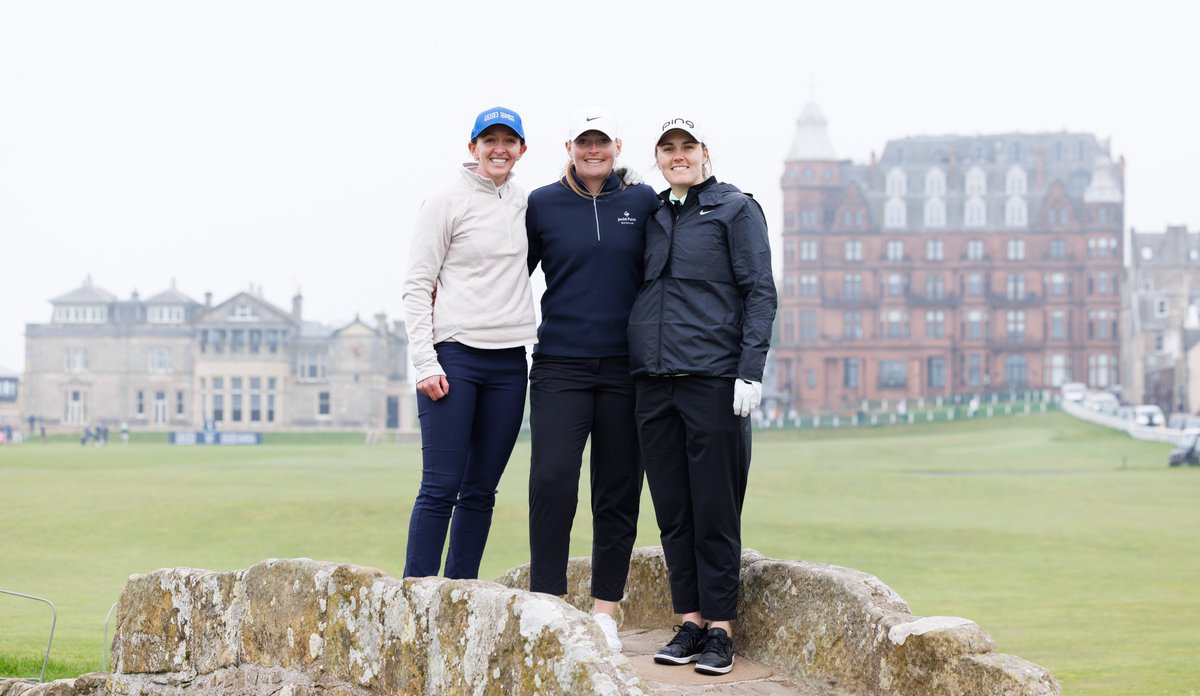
(498,115)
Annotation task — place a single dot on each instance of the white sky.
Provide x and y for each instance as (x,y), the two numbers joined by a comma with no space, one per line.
(288,143)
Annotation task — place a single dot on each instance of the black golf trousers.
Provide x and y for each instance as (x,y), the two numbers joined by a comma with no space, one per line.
(697,457)
(571,399)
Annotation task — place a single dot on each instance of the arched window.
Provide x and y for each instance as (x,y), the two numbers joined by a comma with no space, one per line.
(895,213)
(975,213)
(1016,182)
(1016,213)
(976,182)
(935,212)
(897,182)
(935,182)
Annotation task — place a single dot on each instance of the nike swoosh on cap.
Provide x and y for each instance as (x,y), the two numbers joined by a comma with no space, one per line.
(591,118)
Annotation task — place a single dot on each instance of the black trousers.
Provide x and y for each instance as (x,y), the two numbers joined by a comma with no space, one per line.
(570,399)
(697,458)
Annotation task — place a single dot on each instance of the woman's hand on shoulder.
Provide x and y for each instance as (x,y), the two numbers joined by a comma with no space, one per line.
(435,386)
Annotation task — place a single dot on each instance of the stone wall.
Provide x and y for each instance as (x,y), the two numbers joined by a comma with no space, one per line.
(302,627)
(823,624)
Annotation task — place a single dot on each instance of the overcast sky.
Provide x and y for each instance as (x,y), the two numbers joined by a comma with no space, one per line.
(288,144)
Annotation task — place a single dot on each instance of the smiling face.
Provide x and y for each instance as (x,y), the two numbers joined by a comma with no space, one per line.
(593,154)
(681,160)
(496,149)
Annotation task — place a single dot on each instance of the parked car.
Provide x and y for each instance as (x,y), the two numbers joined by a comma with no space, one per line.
(1125,412)
(1185,453)
(1149,414)
(1102,402)
(1073,391)
(1183,421)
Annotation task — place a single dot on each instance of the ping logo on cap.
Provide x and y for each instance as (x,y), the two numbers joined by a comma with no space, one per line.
(678,122)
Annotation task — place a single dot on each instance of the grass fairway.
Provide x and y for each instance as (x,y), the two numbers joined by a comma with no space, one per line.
(1073,546)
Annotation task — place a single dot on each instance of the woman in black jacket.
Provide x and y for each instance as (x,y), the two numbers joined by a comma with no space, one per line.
(698,337)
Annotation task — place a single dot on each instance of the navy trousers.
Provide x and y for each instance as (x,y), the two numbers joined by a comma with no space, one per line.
(571,399)
(467,437)
(697,457)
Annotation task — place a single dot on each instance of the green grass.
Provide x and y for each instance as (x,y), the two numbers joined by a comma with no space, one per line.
(1073,546)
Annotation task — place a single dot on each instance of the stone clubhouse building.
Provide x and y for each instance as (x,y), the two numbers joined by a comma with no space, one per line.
(169,362)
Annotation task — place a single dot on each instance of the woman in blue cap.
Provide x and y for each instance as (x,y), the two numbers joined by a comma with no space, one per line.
(587,230)
(469,314)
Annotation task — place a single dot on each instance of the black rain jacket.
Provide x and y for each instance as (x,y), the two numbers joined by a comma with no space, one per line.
(708,299)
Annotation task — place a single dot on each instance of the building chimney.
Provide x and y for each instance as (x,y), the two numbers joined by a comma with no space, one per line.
(1039,176)
(381,323)
(298,307)
(208,299)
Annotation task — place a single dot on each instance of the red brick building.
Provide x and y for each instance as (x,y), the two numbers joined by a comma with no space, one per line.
(950,265)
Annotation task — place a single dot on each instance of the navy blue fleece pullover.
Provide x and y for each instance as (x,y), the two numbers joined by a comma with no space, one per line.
(591,250)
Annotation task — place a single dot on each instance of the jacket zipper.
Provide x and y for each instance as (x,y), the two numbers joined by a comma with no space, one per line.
(662,296)
(596,214)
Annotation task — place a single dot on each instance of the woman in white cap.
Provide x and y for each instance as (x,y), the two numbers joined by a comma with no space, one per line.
(587,232)
(469,315)
(698,338)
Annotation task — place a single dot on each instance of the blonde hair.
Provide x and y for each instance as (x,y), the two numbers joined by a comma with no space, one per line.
(568,180)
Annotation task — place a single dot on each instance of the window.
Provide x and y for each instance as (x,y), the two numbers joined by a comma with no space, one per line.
(323,403)
(75,406)
(897,183)
(1016,213)
(75,360)
(1102,324)
(81,314)
(935,324)
(310,367)
(1102,370)
(934,250)
(851,373)
(1160,308)
(808,219)
(808,286)
(271,399)
(808,325)
(1058,324)
(1057,372)
(243,312)
(1159,342)
(975,250)
(180,403)
(1058,249)
(1016,182)
(139,403)
(218,399)
(935,286)
(935,213)
(895,250)
(852,325)
(789,251)
(811,378)
(894,284)
(935,182)
(1058,284)
(235,399)
(975,324)
(8,390)
(853,250)
(936,371)
(255,399)
(164,314)
(1102,247)
(159,360)
(1014,326)
(1016,249)
(974,284)
(852,286)
(1100,284)
(808,250)
(160,407)
(895,213)
(789,285)
(1015,372)
(895,324)
(976,183)
(892,374)
(975,213)
(974,370)
(1015,287)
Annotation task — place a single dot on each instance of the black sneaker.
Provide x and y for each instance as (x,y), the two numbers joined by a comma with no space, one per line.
(685,647)
(717,657)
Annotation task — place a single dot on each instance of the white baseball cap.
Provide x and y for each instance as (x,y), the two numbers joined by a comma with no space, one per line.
(686,125)
(593,118)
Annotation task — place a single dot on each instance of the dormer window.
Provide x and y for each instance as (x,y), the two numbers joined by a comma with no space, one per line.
(976,184)
(164,314)
(1016,182)
(897,182)
(935,182)
(243,312)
